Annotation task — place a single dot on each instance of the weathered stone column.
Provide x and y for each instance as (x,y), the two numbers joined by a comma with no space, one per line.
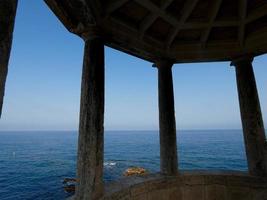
(7,19)
(91,128)
(253,128)
(168,147)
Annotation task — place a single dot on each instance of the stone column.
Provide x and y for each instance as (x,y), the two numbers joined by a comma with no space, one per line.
(168,147)
(7,19)
(253,128)
(91,128)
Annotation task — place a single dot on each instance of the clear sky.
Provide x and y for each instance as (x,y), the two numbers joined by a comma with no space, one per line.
(43,85)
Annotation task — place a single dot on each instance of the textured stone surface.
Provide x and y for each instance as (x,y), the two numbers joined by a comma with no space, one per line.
(190,186)
(91,130)
(215,192)
(253,128)
(7,18)
(167,126)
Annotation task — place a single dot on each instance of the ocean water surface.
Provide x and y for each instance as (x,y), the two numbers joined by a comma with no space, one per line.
(34,163)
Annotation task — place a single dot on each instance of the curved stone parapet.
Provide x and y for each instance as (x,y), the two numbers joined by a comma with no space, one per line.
(189,185)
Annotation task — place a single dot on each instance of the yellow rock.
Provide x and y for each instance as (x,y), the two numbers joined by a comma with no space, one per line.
(135,171)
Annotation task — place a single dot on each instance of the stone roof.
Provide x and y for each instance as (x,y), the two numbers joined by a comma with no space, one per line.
(178,30)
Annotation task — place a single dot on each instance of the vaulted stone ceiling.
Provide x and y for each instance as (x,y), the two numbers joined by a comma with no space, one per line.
(179,30)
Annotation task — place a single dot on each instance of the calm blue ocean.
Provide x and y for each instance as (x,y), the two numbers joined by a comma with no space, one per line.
(33,164)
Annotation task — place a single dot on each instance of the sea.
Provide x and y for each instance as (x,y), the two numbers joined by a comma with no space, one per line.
(33,164)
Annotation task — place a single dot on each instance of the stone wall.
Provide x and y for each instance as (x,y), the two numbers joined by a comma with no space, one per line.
(189,186)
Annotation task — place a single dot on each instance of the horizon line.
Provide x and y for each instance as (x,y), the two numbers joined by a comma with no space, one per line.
(120,130)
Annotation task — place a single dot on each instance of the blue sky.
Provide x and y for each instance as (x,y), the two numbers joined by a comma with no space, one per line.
(43,85)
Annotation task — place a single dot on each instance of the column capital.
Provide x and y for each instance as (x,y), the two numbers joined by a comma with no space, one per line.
(163,64)
(243,60)
(91,34)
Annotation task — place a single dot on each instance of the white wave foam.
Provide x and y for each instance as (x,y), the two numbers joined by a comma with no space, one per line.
(110,163)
